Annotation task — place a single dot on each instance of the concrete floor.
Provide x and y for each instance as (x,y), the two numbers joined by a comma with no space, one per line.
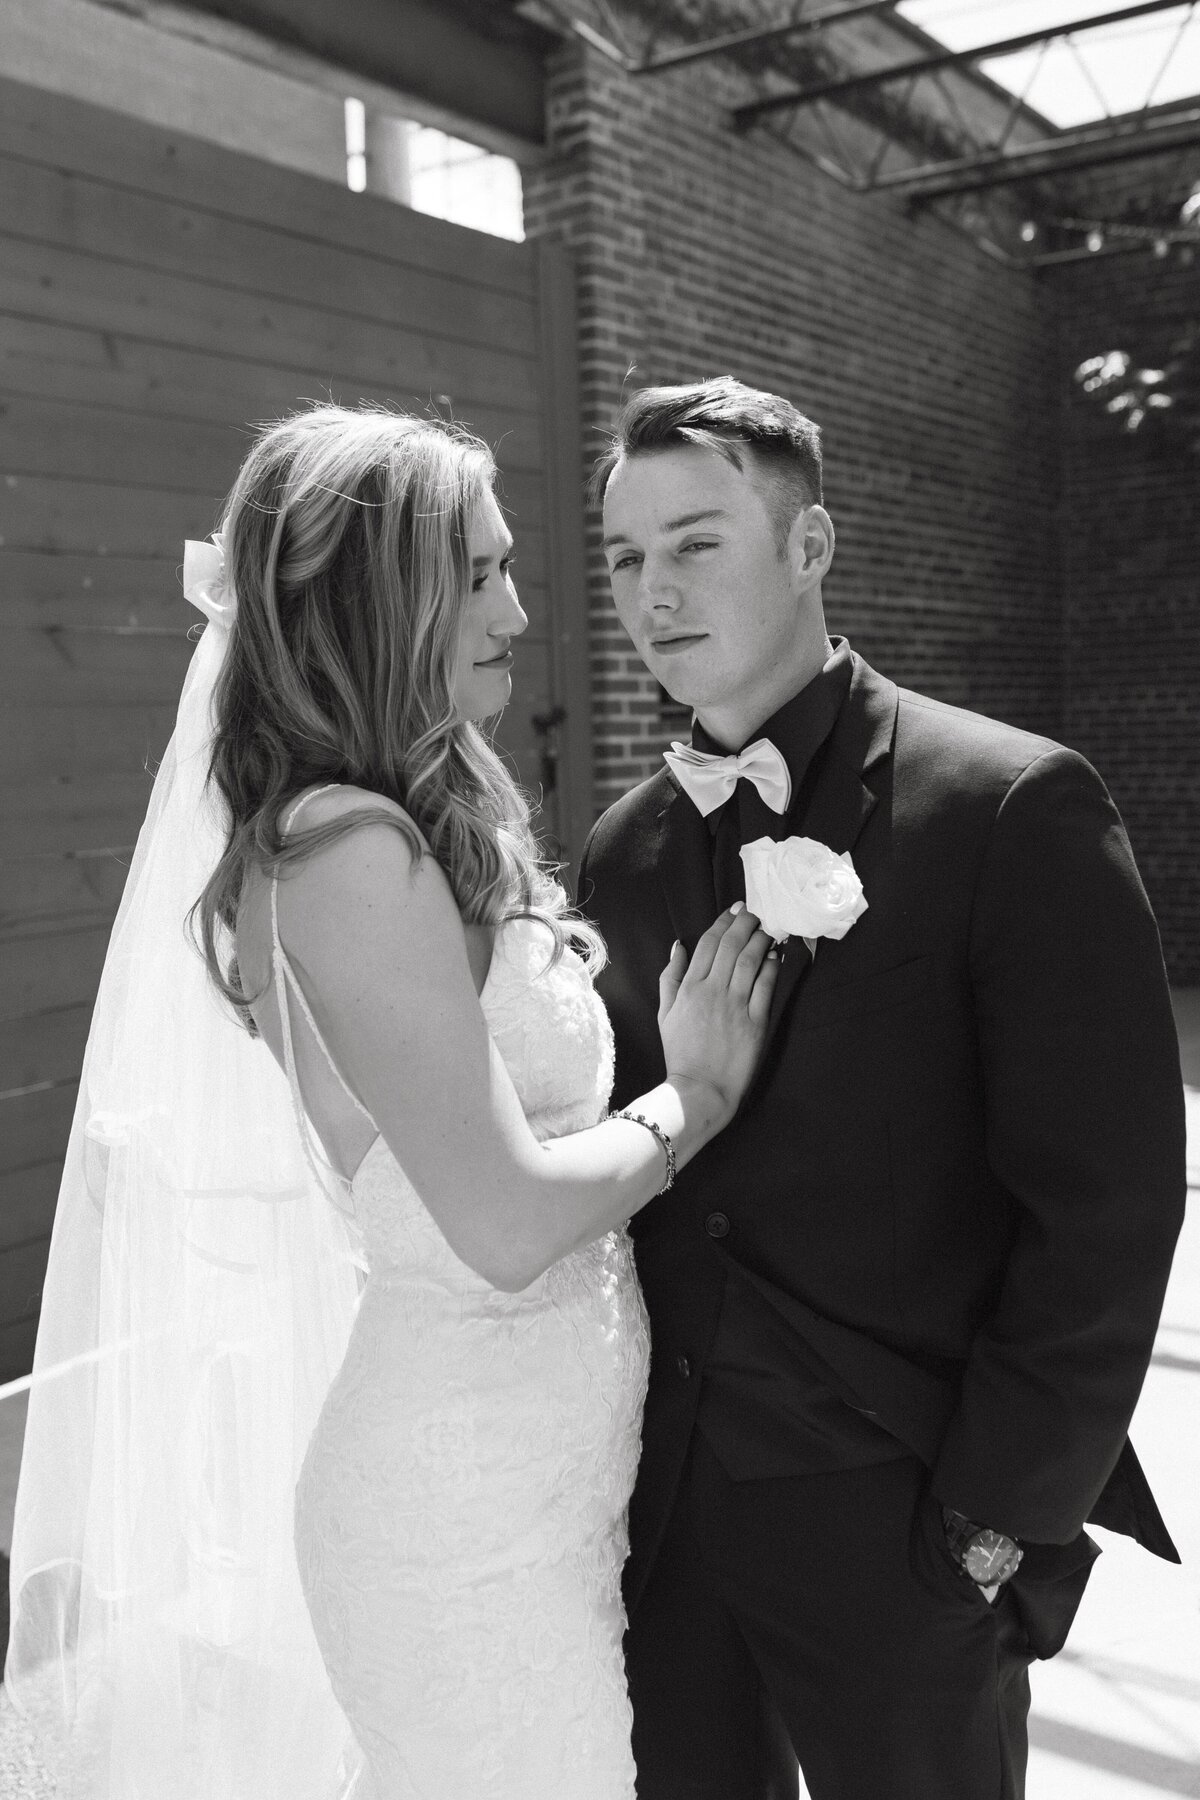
(1116,1716)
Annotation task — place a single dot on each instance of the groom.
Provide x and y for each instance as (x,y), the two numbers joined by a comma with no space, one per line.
(902,1308)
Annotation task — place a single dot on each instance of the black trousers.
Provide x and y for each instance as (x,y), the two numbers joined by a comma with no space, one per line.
(819,1620)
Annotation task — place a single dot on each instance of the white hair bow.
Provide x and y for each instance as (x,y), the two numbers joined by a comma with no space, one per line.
(205,581)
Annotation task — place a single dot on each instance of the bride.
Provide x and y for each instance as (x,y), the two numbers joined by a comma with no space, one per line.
(393,1012)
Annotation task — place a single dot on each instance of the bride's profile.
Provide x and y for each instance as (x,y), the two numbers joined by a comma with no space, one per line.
(337,1394)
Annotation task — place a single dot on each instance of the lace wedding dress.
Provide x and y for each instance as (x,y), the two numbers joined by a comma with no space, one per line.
(460,1514)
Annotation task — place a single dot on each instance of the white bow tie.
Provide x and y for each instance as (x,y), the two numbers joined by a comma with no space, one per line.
(708,781)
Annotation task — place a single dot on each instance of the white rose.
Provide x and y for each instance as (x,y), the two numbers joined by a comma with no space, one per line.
(800,888)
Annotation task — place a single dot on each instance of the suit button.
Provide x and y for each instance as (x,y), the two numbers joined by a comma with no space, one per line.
(717,1225)
(684,1366)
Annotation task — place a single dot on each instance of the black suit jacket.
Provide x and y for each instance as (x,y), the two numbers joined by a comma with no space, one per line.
(960,1171)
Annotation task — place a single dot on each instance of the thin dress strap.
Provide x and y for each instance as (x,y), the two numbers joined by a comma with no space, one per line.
(287,981)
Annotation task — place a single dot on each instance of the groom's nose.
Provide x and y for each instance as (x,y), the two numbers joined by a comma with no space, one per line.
(657,588)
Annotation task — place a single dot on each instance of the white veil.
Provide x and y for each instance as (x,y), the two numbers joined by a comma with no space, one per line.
(197,1303)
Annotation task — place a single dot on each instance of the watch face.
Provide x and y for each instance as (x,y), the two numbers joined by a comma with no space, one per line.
(990,1557)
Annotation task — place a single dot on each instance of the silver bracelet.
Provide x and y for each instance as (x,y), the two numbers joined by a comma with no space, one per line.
(664,1140)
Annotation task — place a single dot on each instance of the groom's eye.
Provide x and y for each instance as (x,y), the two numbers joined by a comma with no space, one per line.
(624,562)
(699,544)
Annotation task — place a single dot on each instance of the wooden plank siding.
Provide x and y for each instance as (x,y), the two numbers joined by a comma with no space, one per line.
(159,296)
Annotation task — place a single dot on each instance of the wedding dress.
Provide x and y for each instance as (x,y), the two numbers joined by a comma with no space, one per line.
(460,1513)
(466,1454)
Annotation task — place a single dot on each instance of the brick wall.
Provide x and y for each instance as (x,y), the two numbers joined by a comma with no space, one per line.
(701,252)
(1131,573)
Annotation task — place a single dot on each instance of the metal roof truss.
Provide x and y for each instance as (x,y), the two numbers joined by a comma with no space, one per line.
(976,153)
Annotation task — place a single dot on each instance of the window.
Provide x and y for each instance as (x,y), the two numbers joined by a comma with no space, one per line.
(427,169)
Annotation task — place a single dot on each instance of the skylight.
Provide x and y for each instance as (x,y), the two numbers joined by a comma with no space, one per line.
(1074,81)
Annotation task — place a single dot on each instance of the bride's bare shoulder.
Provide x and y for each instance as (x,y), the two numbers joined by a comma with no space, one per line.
(381,839)
(325,806)
(380,867)
(360,895)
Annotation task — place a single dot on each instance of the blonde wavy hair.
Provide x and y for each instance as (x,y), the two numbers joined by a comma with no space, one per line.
(346,540)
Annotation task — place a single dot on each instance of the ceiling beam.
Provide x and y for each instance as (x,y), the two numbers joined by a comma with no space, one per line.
(750,39)
(748,115)
(729,42)
(1122,140)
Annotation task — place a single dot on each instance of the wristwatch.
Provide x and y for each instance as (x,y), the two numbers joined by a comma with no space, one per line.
(986,1557)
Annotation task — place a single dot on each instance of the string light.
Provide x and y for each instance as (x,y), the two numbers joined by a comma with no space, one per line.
(1119,234)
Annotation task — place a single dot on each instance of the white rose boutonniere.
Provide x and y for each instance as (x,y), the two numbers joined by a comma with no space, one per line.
(802,888)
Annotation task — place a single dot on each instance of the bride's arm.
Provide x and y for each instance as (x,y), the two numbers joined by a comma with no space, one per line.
(378,943)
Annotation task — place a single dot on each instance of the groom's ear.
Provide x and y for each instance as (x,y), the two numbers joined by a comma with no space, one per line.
(810,546)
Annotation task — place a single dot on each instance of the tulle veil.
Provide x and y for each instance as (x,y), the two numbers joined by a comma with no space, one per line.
(198,1299)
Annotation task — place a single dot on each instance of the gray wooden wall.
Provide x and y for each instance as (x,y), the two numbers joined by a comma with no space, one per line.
(157,295)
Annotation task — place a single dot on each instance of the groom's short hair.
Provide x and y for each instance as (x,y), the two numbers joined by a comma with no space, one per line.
(740,423)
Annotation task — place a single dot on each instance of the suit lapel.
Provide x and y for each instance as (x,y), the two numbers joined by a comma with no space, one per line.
(683,857)
(842,800)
